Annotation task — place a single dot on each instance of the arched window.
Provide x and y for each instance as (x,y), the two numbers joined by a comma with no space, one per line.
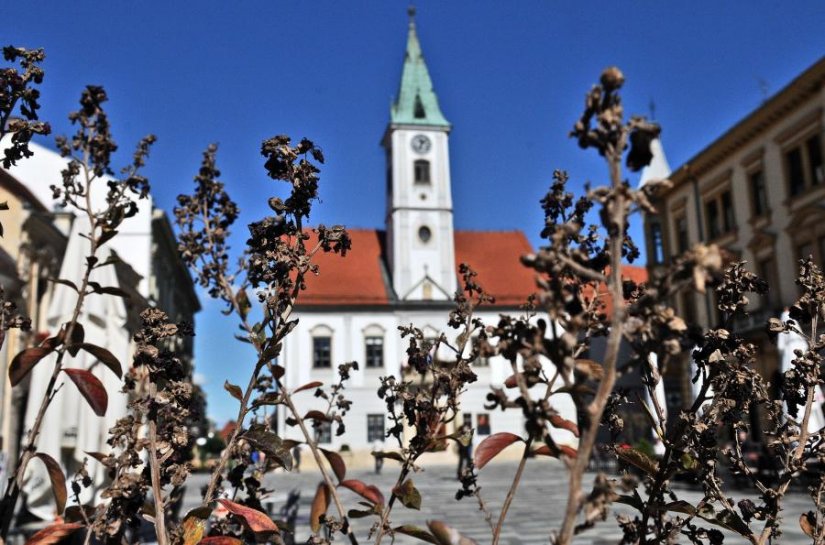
(421,173)
(374,346)
(321,347)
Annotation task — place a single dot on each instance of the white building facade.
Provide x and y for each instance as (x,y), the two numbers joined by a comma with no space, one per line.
(405,274)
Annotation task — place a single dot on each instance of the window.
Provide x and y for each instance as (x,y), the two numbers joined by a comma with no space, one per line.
(712,211)
(721,218)
(796,172)
(375,427)
(804,165)
(418,108)
(804,251)
(322,352)
(656,243)
(374,347)
(425,234)
(483,424)
(467,420)
(728,215)
(682,238)
(323,431)
(759,194)
(421,171)
(765,270)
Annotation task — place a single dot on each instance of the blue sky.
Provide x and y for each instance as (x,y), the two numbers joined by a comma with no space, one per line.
(511,78)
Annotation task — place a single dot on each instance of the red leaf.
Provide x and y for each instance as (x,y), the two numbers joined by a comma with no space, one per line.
(58,480)
(78,334)
(511,381)
(364,490)
(53,534)
(565,450)
(253,519)
(25,361)
(320,504)
(563,424)
(315,415)
(106,358)
(337,463)
(445,534)
(308,386)
(491,446)
(220,540)
(91,388)
(234,390)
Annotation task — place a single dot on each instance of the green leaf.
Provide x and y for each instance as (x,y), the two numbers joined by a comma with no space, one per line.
(416,532)
(638,458)
(409,496)
(103,355)
(269,443)
(389,455)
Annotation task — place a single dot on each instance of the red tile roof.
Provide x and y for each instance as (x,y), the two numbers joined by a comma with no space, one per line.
(356,279)
(495,256)
(361,278)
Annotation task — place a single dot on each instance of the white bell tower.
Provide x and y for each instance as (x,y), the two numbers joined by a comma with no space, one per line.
(420,242)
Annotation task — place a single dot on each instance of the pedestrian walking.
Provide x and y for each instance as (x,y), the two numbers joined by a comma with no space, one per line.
(378,446)
(296,456)
(465,451)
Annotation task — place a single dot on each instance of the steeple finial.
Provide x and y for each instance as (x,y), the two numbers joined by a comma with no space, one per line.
(417,103)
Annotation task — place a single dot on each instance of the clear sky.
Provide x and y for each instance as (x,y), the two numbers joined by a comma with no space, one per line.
(510,76)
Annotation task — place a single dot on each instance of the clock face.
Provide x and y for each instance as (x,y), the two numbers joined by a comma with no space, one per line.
(421,144)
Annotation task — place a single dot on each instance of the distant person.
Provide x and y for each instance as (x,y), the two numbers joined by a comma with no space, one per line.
(378,446)
(465,452)
(296,455)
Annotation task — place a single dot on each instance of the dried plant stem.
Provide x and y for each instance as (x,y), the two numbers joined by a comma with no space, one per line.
(157,489)
(410,460)
(385,513)
(511,494)
(614,339)
(12,494)
(316,453)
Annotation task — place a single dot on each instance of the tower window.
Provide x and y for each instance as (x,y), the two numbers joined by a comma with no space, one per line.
(421,171)
(424,234)
(418,108)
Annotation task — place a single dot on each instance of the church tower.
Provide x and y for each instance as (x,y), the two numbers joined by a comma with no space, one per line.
(420,242)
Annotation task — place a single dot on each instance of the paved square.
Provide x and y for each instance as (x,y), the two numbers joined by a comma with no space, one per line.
(536,510)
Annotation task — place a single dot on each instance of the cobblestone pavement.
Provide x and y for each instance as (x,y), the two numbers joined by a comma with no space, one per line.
(536,510)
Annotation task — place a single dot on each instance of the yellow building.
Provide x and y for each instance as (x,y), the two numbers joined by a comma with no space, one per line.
(758,191)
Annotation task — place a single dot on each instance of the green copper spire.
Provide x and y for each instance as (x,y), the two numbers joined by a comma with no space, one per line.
(417,103)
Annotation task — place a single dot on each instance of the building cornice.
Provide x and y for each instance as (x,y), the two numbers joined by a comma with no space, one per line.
(755,123)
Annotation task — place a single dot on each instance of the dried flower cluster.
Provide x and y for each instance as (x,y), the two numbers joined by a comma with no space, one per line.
(153,438)
(583,296)
(17,93)
(89,151)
